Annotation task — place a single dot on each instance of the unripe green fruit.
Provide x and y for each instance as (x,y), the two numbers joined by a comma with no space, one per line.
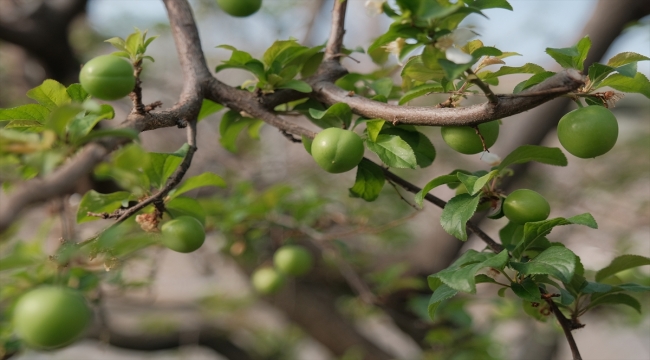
(465,140)
(293,260)
(240,8)
(588,132)
(50,317)
(183,234)
(524,205)
(267,280)
(107,77)
(337,150)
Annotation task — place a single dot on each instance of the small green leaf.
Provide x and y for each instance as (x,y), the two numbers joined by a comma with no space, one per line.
(208,107)
(621,263)
(527,68)
(527,153)
(452,70)
(572,57)
(50,94)
(527,290)
(369,181)
(77,93)
(230,127)
(61,117)
(162,165)
(374,126)
(393,151)
(95,202)
(556,261)
(461,274)
(440,180)
(625,58)
(382,86)
(616,299)
(205,179)
(31,112)
(80,126)
(118,132)
(441,293)
(422,147)
(337,115)
(511,234)
(536,230)
(534,80)
(491,4)
(297,85)
(117,42)
(418,91)
(181,206)
(474,184)
(456,213)
(638,84)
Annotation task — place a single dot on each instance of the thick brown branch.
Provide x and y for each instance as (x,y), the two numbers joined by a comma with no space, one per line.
(566,81)
(335,42)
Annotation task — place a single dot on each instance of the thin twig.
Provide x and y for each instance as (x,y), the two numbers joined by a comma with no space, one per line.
(566,327)
(474,79)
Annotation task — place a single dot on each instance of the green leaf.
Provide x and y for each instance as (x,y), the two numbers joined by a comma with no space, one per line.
(491,4)
(452,70)
(527,153)
(511,234)
(382,86)
(297,85)
(208,107)
(597,72)
(50,94)
(461,274)
(20,256)
(527,290)
(93,201)
(231,126)
(186,206)
(80,126)
(441,292)
(625,58)
(638,84)
(536,230)
(161,166)
(61,117)
(205,179)
(393,151)
(527,68)
(373,127)
(415,69)
(418,91)
(440,180)
(422,147)
(118,132)
(77,93)
(573,57)
(337,115)
(474,184)
(534,80)
(456,213)
(29,112)
(556,261)
(616,299)
(369,181)
(278,52)
(621,263)
(117,42)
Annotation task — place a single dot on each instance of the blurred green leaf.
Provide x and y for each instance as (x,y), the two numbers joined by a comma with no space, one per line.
(92,201)
(369,181)
(621,263)
(50,94)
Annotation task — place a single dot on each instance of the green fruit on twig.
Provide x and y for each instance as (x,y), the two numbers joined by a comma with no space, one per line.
(50,317)
(293,260)
(588,132)
(524,205)
(267,280)
(337,150)
(107,77)
(183,234)
(240,8)
(465,140)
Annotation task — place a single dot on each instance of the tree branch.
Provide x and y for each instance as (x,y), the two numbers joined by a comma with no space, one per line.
(335,42)
(566,327)
(561,83)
